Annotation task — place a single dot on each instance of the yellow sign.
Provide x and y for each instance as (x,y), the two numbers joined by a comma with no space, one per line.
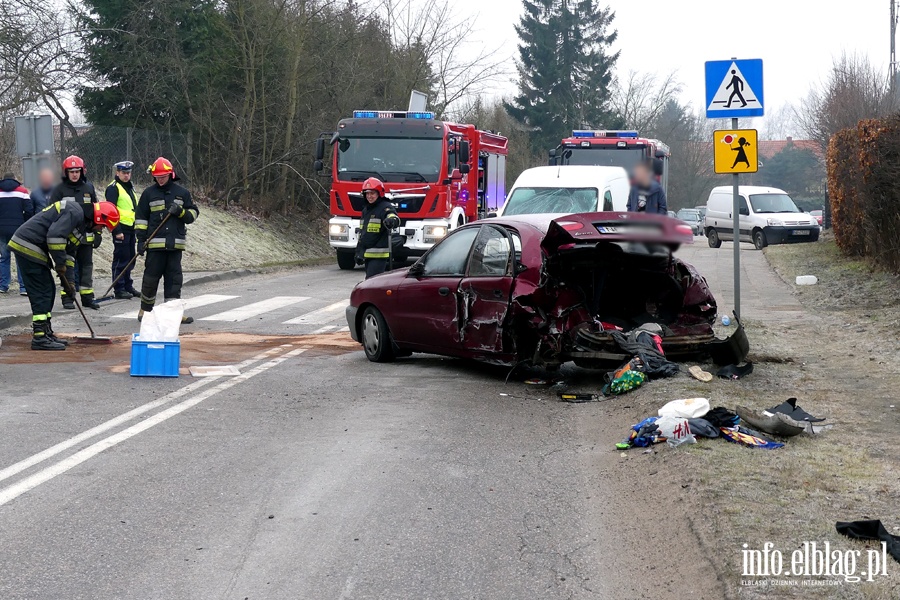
(735,151)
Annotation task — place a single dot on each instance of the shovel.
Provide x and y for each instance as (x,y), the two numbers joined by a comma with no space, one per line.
(106,295)
(94,339)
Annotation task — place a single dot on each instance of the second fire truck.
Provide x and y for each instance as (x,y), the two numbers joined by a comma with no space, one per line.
(439,175)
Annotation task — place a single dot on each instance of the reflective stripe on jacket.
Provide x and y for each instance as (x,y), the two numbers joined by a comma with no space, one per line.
(152,209)
(54,233)
(374,239)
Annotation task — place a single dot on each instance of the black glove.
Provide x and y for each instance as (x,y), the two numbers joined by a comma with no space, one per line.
(392,222)
(98,239)
(141,248)
(61,271)
(176,210)
(360,260)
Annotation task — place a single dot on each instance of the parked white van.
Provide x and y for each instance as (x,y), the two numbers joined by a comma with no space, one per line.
(768,216)
(567,189)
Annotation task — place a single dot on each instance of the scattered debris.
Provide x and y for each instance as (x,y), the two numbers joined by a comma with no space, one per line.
(871,530)
(689,408)
(220,371)
(735,371)
(807,280)
(699,374)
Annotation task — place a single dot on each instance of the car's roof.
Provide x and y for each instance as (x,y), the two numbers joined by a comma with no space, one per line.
(540,222)
(750,189)
(569,175)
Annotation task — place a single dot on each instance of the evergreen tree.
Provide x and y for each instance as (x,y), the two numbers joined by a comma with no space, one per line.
(565,68)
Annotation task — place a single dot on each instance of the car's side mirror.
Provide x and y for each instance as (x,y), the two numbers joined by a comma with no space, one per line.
(463,151)
(417,270)
(744,211)
(318,166)
(320,150)
(464,168)
(520,268)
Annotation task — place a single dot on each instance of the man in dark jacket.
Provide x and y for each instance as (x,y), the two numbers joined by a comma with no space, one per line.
(646,194)
(48,241)
(15,208)
(121,193)
(40,196)
(378,219)
(75,186)
(169,207)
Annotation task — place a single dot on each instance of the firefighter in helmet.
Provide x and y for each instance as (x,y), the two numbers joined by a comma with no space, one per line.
(51,238)
(76,187)
(164,210)
(378,219)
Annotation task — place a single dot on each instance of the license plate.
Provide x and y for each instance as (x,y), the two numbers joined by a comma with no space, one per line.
(801,232)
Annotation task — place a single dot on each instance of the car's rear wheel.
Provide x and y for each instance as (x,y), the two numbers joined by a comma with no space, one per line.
(712,238)
(376,337)
(759,239)
(346,260)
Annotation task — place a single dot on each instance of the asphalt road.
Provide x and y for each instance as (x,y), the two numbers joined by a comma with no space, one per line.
(315,474)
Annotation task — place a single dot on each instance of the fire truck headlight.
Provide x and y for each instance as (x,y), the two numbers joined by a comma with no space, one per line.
(433,233)
(338,232)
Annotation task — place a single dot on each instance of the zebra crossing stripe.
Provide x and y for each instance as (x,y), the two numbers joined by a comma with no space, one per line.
(188,304)
(320,316)
(257,308)
(325,329)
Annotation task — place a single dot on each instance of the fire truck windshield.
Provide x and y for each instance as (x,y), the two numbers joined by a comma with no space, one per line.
(389,159)
(626,158)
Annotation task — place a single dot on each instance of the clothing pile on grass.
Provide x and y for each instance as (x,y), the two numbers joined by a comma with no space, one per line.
(648,360)
(683,421)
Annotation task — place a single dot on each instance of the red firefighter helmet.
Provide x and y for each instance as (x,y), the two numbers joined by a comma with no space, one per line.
(73,162)
(373,183)
(161,166)
(106,214)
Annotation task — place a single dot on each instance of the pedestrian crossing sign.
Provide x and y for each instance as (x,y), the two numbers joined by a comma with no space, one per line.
(734,88)
(735,151)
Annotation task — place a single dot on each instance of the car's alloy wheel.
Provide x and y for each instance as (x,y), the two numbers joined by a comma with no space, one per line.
(376,337)
(759,240)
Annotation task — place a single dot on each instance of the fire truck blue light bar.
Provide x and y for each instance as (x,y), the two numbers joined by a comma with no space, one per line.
(376,114)
(587,133)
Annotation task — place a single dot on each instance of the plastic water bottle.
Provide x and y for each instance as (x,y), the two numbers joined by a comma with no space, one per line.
(807,280)
(726,320)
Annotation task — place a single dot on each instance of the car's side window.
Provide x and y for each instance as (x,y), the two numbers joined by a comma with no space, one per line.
(449,257)
(490,257)
(607,201)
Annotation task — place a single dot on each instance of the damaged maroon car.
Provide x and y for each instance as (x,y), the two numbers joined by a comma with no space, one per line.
(544,290)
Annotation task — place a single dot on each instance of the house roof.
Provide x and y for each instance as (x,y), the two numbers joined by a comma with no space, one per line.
(769,148)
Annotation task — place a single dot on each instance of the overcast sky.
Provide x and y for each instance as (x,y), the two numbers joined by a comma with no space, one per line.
(795,38)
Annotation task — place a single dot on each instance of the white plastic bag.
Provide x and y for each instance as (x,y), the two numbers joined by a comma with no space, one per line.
(676,431)
(163,323)
(690,408)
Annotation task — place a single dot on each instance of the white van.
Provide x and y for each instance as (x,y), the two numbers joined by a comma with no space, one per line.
(768,216)
(567,189)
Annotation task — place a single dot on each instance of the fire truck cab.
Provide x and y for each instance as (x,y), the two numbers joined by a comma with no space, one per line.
(613,148)
(439,176)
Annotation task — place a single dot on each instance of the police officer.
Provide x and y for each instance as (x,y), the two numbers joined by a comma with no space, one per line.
(121,193)
(166,200)
(378,219)
(76,187)
(49,239)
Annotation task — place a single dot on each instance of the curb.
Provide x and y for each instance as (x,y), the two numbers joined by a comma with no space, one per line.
(224,276)
(10,321)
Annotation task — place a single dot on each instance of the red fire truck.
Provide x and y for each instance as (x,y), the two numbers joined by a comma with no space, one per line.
(439,175)
(612,148)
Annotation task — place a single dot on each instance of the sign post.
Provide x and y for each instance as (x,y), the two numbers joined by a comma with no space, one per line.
(734,88)
(34,145)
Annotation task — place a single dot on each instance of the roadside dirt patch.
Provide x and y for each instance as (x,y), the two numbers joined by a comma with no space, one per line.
(196,349)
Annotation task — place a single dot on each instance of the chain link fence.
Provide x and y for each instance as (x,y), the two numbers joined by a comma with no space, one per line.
(101,147)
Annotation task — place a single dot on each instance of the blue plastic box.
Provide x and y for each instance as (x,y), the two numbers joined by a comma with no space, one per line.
(154,359)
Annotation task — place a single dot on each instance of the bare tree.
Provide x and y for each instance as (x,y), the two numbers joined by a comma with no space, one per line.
(641,98)
(454,68)
(780,123)
(854,90)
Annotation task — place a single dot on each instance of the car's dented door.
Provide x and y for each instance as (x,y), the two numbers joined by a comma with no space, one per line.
(486,291)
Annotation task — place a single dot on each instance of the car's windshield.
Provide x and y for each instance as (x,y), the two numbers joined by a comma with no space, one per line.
(626,158)
(688,215)
(773,203)
(389,159)
(543,200)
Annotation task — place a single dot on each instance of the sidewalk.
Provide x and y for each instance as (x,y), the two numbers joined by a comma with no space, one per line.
(15,310)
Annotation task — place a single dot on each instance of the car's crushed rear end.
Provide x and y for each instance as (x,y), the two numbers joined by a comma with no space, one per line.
(614,272)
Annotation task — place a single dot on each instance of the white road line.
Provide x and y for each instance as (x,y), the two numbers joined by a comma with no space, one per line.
(31,482)
(257,308)
(320,316)
(52,451)
(188,304)
(325,329)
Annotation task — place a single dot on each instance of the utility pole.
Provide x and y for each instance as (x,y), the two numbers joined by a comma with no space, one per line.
(893,64)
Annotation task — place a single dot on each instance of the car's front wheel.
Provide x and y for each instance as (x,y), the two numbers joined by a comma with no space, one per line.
(712,238)
(376,337)
(346,260)
(759,239)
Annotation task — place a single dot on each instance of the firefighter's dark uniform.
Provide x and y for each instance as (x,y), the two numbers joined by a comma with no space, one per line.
(122,195)
(165,249)
(373,247)
(54,233)
(82,193)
